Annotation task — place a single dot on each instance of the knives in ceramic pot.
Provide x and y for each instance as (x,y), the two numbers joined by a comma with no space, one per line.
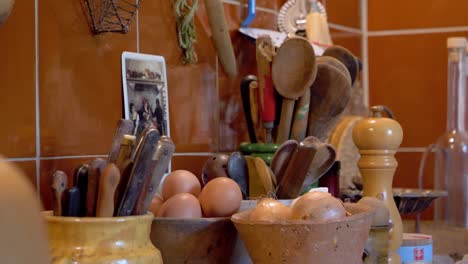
(161,159)
(94,172)
(125,173)
(80,180)
(59,184)
(142,164)
(124,127)
(138,141)
(108,182)
(71,202)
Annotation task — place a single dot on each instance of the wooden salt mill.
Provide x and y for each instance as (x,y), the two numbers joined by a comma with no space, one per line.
(378,139)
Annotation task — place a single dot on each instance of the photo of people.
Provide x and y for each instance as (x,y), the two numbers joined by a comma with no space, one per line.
(145,92)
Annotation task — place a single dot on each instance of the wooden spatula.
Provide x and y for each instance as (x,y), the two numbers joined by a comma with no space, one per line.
(282,157)
(59,184)
(107,185)
(346,57)
(330,94)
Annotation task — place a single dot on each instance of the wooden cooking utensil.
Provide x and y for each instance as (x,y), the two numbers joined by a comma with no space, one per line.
(265,51)
(71,202)
(161,159)
(143,164)
(281,158)
(107,185)
(296,172)
(123,127)
(322,161)
(59,184)
(264,177)
(245,95)
(330,94)
(255,185)
(80,180)
(294,70)
(301,117)
(254,110)
(221,38)
(94,172)
(347,58)
(237,170)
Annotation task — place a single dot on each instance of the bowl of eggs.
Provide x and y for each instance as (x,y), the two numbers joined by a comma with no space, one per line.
(192,223)
(314,228)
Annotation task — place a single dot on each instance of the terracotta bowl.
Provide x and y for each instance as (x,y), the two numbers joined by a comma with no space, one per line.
(302,241)
(198,240)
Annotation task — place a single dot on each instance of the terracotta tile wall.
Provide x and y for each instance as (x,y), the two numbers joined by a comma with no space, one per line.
(407,61)
(61,86)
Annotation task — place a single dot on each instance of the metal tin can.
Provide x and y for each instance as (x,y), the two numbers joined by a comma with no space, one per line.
(416,248)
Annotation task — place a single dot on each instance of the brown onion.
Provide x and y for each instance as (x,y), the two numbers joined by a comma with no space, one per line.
(318,206)
(270,210)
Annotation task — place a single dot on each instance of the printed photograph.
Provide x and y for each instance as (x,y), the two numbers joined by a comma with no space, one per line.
(145,92)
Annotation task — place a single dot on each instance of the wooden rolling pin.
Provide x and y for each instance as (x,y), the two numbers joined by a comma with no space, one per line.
(221,38)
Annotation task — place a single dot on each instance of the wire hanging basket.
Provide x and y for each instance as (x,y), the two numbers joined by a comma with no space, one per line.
(111,15)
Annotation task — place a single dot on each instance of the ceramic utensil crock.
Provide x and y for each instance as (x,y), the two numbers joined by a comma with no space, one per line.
(104,240)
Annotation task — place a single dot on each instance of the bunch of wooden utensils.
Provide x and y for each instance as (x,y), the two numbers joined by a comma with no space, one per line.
(123,185)
(313,91)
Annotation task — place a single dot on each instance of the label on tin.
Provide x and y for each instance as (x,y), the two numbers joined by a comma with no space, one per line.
(416,254)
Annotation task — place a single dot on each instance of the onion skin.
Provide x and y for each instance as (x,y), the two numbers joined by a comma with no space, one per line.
(270,210)
(318,206)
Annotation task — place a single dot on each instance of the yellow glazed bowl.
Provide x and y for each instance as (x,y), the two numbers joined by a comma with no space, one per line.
(103,240)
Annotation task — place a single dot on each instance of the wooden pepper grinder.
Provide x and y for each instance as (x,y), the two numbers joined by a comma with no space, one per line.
(378,139)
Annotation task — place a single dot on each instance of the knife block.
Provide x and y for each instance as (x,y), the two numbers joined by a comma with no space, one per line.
(378,139)
(104,240)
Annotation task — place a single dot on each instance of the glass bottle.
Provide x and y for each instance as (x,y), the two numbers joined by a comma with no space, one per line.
(451,166)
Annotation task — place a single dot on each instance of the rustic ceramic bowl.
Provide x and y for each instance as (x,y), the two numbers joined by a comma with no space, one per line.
(197,240)
(103,240)
(302,241)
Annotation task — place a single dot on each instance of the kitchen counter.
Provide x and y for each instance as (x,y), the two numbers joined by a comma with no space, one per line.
(448,242)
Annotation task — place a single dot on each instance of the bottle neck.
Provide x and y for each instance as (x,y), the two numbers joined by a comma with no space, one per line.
(456,90)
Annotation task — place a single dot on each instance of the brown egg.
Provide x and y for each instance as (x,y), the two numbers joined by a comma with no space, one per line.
(181,205)
(180,181)
(156,204)
(220,197)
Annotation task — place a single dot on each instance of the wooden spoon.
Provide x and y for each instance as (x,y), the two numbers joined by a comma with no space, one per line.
(346,57)
(330,94)
(294,70)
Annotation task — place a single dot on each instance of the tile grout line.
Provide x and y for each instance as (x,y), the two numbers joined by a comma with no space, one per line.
(37,107)
(137,30)
(345,28)
(365,50)
(416,31)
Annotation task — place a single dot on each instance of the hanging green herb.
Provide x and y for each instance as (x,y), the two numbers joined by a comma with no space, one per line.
(186,28)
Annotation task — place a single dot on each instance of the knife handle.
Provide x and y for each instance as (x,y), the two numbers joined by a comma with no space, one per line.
(107,185)
(71,202)
(95,169)
(80,180)
(162,156)
(125,151)
(143,165)
(124,178)
(58,186)
(123,127)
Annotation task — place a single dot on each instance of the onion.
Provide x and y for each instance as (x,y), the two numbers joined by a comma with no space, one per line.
(270,210)
(318,206)
(381,215)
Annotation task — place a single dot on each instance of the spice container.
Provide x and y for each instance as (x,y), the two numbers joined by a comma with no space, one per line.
(416,248)
(104,240)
